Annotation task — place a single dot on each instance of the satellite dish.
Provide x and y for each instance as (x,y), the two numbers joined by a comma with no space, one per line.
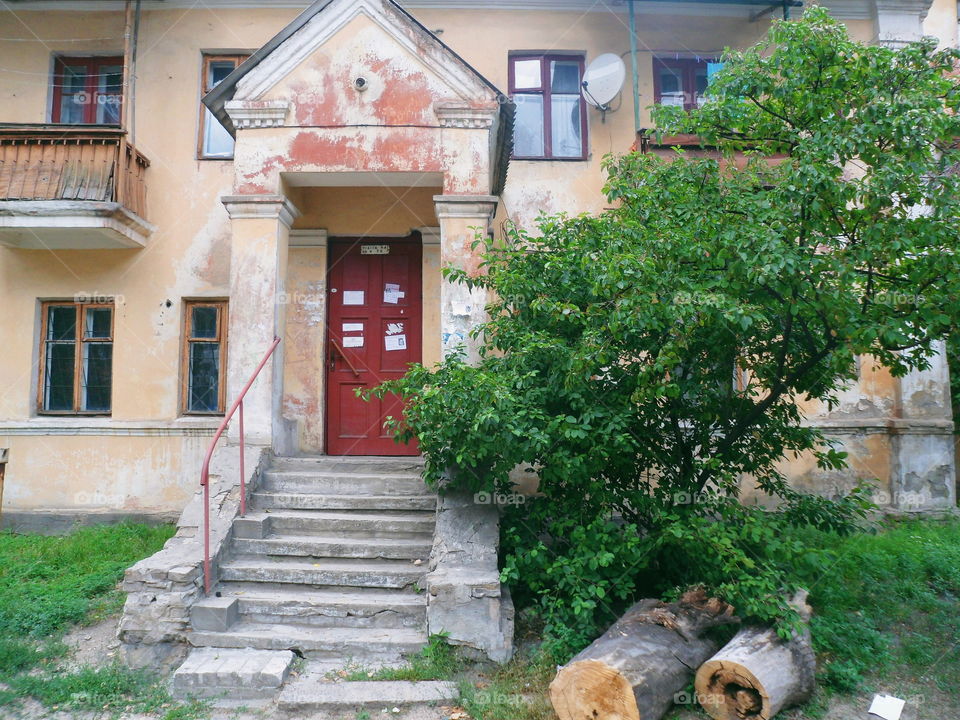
(603,80)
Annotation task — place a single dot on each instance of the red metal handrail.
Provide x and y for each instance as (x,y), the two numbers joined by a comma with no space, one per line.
(205,473)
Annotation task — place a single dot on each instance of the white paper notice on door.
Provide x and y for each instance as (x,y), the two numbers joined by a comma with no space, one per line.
(353,297)
(392,293)
(353,342)
(396,342)
(352,327)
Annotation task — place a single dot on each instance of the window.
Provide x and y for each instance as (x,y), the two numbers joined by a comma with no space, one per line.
(551,117)
(76,358)
(682,82)
(204,358)
(215,141)
(87,90)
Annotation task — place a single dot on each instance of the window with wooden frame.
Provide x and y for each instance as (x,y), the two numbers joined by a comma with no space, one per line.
(215,143)
(551,115)
(76,358)
(203,388)
(682,81)
(87,90)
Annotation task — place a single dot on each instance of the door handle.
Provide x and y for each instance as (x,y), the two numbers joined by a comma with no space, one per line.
(334,349)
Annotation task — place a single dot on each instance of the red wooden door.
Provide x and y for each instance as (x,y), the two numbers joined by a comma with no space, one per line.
(374,332)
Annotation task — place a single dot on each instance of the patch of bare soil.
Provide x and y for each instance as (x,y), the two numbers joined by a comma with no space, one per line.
(94,645)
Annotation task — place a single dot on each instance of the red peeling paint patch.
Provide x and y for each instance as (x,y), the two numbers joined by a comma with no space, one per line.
(408,151)
(406,98)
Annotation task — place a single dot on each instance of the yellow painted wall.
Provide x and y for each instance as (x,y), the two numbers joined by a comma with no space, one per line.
(189,254)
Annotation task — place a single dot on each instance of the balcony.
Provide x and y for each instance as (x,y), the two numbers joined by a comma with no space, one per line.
(71,187)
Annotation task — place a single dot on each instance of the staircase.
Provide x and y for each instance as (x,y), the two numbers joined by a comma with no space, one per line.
(328,563)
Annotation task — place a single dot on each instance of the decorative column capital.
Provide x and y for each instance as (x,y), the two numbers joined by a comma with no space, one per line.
(480,207)
(257,113)
(455,114)
(261,207)
(899,22)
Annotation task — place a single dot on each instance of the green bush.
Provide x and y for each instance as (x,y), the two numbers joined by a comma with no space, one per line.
(648,358)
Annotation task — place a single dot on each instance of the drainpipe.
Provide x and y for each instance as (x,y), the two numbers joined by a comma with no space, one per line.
(133,75)
(4,456)
(633,66)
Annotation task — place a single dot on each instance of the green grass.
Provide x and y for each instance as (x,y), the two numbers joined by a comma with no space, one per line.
(437,661)
(886,613)
(50,584)
(514,691)
(888,603)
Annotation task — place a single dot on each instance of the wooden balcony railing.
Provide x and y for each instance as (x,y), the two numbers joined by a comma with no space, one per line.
(72,162)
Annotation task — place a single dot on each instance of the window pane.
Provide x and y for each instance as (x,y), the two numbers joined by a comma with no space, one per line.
(671,86)
(203,323)
(565,77)
(96,379)
(526,74)
(204,378)
(701,80)
(218,71)
(528,131)
(217,142)
(74,98)
(58,383)
(565,125)
(97,324)
(109,94)
(62,322)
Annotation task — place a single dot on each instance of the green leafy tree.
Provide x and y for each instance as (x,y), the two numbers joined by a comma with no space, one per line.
(648,359)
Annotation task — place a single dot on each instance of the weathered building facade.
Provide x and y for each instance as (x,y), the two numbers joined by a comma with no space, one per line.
(153,245)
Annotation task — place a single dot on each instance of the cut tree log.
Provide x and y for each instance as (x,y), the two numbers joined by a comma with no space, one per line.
(757,673)
(634,669)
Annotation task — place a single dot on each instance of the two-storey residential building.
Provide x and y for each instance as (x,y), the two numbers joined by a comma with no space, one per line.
(180,182)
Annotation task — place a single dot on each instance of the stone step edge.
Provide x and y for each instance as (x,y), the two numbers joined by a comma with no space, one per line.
(374,693)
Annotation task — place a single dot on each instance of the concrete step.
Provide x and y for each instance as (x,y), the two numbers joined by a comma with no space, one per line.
(311,501)
(360,644)
(354,465)
(342,483)
(344,523)
(356,572)
(241,674)
(319,695)
(402,548)
(341,607)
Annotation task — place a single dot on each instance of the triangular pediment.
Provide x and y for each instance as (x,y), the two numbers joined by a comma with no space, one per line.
(314,65)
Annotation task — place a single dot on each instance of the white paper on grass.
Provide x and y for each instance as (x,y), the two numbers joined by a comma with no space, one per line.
(887,707)
(353,342)
(353,297)
(396,342)
(352,327)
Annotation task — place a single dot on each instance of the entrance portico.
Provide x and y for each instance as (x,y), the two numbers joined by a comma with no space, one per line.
(353,94)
